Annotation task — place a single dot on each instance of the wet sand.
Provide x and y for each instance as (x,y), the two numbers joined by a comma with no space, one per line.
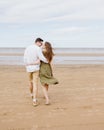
(77,103)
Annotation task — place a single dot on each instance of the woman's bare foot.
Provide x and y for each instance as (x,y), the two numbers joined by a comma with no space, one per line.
(47,103)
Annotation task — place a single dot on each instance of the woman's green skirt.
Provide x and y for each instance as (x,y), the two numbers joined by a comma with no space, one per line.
(45,74)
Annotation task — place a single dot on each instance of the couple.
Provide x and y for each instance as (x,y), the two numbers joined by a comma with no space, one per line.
(37,58)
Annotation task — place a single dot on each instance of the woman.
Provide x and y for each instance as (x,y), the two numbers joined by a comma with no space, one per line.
(46,76)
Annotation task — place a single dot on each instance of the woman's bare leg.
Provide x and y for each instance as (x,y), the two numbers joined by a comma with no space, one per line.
(45,91)
(47,86)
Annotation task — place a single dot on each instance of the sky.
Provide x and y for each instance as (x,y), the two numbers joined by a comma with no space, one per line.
(64,23)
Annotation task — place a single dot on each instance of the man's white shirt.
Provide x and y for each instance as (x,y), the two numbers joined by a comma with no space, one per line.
(31,55)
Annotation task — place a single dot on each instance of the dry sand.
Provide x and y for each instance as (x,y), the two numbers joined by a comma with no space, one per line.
(77,103)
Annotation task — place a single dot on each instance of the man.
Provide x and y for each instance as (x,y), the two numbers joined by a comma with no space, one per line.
(32,55)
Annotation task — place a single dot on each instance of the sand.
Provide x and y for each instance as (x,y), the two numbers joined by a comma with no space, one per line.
(77,103)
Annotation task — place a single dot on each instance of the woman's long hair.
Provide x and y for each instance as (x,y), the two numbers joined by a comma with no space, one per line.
(49,52)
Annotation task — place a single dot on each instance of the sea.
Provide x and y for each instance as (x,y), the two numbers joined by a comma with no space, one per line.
(66,56)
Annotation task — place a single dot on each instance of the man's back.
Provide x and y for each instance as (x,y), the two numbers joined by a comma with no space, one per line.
(30,57)
(31,54)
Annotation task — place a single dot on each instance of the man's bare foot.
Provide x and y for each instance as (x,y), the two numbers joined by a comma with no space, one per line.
(35,103)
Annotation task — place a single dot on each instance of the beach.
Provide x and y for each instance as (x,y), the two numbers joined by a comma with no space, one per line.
(77,102)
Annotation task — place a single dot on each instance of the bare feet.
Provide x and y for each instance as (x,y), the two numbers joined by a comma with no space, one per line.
(47,103)
(35,103)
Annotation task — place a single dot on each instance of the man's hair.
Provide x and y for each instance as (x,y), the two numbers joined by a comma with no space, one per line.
(38,40)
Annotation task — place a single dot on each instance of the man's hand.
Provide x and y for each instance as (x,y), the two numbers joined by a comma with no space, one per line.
(36,63)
